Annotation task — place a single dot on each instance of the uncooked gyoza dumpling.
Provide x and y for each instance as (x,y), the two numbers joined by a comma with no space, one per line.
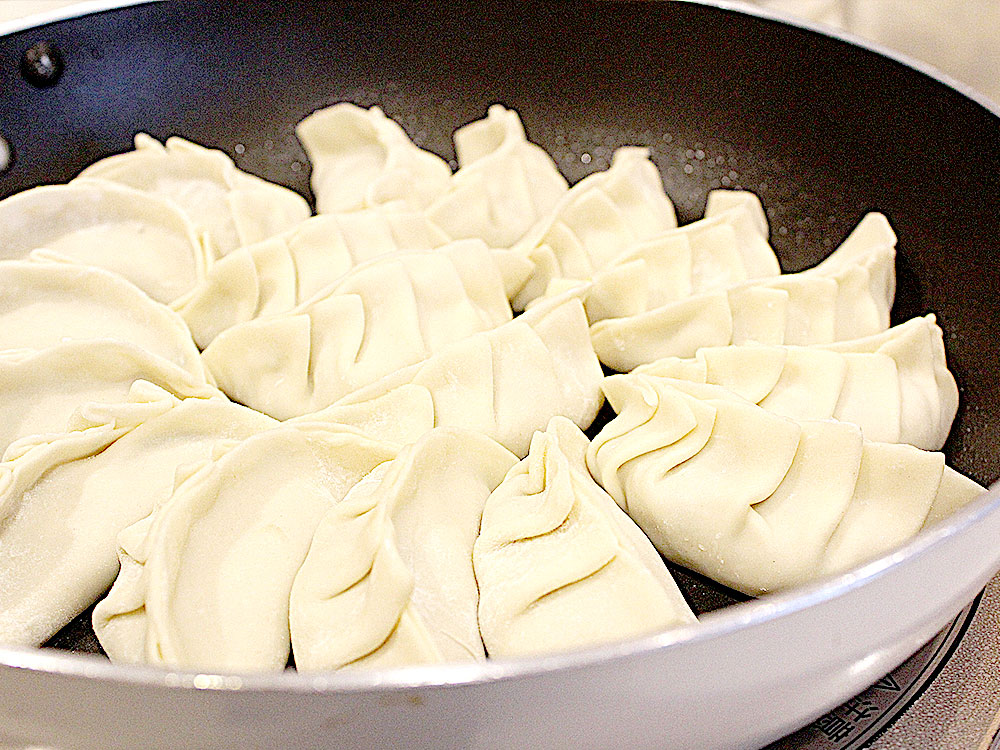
(388,580)
(929,404)
(386,314)
(559,564)
(40,390)
(232,207)
(220,555)
(505,383)
(504,183)
(64,497)
(897,388)
(596,221)
(43,304)
(277,274)
(847,296)
(757,501)
(360,159)
(144,238)
(725,248)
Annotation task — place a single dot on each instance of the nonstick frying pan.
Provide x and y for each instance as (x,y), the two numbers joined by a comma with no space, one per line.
(823,128)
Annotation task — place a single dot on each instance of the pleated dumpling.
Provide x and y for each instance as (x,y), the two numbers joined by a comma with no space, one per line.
(40,390)
(726,247)
(208,585)
(929,404)
(277,274)
(895,385)
(743,213)
(230,206)
(142,237)
(729,245)
(505,383)
(599,218)
(386,314)
(43,304)
(64,497)
(559,564)
(388,580)
(504,183)
(360,159)
(757,501)
(847,296)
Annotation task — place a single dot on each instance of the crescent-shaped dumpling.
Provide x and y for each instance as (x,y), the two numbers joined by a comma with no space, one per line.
(847,296)
(277,274)
(386,314)
(929,404)
(505,383)
(389,580)
(559,565)
(596,221)
(64,497)
(728,246)
(217,564)
(43,304)
(895,386)
(757,501)
(360,159)
(142,237)
(504,183)
(232,207)
(40,390)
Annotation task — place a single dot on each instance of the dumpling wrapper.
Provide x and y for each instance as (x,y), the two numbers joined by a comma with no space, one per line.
(142,237)
(505,383)
(929,405)
(386,314)
(559,565)
(361,159)
(895,386)
(757,501)
(276,275)
(388,580)
(215,570)
(728,246)
(596,221)
(232,207)
(847,296)
(64,497)
(503,186)
(43,304)
(40,390)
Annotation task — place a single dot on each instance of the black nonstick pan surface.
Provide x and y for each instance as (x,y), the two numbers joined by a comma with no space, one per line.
(823,130)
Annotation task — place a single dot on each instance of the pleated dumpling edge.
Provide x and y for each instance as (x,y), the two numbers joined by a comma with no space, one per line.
(559,565)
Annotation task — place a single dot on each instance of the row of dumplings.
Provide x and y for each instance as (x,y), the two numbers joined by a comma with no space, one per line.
(357,437)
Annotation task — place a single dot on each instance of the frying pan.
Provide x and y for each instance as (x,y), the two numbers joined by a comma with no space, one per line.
(823,127)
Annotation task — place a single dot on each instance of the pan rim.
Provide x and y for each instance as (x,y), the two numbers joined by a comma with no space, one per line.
(854,39)
(718,624)
(66,13)
(714,625)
